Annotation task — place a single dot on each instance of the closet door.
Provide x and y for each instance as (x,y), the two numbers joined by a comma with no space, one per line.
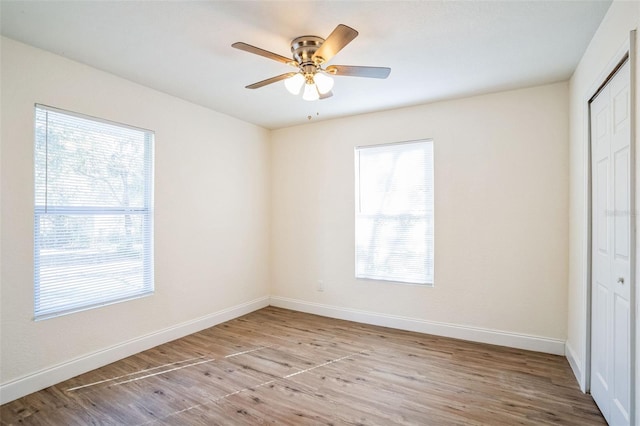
(611,249)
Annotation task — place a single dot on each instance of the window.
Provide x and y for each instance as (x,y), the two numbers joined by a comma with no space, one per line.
(394,212)
(93,212)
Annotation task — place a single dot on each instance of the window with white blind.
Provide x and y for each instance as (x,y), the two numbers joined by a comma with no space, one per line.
(93,212)
(394,212)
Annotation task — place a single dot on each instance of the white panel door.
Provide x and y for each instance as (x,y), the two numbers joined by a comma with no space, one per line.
(611,249)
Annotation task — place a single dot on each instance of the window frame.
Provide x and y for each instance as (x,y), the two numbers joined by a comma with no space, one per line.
(147,213)
(428,215)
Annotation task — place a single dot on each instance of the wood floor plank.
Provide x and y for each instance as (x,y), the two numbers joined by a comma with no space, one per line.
(283,403)
(276,366)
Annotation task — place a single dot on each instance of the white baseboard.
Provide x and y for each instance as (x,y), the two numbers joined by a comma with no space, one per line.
(48,377)
(576,366)
(474,334)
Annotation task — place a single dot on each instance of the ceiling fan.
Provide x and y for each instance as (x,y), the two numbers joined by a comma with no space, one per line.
(309,55)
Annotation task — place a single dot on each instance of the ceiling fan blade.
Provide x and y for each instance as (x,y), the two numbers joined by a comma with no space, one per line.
(271,80)
(256,50)
(354,71)
(339,38)
(326,95)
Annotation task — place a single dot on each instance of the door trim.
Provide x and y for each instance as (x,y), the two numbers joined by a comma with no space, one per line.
(633,301)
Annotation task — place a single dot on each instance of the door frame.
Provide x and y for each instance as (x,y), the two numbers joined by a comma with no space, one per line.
(626,53)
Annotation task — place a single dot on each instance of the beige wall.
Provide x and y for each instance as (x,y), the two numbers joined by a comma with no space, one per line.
(501,200)
(211,221)
(603,52)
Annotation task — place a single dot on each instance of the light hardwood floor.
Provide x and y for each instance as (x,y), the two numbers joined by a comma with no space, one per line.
(285,367)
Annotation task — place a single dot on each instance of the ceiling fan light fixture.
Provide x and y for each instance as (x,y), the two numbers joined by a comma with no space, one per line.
(323,82)
(294,84)
(310,92)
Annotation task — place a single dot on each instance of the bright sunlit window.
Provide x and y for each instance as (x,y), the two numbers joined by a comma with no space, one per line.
(93,212)
(394,212)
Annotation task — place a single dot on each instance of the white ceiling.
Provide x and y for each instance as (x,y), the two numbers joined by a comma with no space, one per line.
(436,49)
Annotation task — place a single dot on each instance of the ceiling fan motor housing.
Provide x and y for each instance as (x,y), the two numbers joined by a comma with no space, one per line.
(303,49)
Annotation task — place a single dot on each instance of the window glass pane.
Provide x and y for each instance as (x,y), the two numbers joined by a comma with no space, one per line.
(393,180)
(88,163)
(101,258)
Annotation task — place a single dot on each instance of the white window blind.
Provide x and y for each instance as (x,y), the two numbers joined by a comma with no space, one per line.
(93,212)
(394,212)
